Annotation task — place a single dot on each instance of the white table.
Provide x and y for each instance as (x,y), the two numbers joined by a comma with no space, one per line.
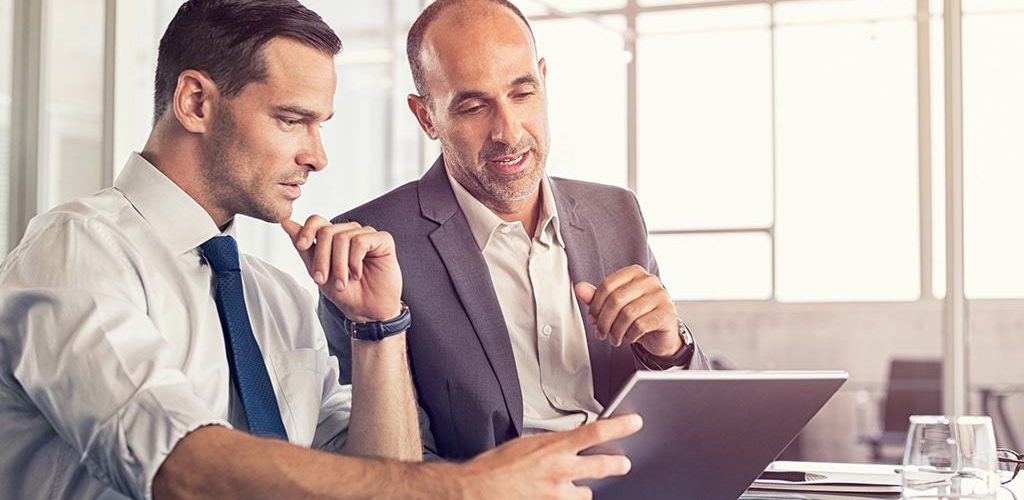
(1012,491)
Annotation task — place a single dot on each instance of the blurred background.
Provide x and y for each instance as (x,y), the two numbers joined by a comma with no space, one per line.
(793,158)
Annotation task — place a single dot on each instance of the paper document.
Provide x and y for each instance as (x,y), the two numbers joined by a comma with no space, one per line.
(830,477)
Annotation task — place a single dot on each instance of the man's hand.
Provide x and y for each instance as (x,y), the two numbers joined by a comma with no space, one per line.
(545,466)
(630,305)
(355,266)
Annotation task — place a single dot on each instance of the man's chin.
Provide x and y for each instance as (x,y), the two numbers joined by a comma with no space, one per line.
(273,215)
(515,191)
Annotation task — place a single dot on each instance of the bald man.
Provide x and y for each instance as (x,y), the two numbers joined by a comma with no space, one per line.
(536,297)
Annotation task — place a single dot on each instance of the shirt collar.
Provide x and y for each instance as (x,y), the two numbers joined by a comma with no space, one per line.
(483,222)
(550,226)
(179,221)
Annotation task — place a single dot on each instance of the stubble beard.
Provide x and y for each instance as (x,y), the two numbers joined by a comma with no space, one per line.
(222,168)
(501,190)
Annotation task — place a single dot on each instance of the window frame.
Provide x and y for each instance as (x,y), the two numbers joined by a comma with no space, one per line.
(632,11)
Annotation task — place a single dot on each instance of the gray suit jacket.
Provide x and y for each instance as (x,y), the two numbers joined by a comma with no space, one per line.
(459,348)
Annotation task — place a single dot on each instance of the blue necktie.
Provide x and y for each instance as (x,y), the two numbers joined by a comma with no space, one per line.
(248,373)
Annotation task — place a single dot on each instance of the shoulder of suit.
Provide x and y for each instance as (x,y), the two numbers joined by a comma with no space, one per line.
(595,194)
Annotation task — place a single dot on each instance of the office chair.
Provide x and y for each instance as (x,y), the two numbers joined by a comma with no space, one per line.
(914,388)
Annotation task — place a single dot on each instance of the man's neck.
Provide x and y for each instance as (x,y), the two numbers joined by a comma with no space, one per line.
(526,212)
(179,163)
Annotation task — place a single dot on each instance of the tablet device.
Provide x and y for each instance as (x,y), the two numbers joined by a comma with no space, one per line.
(708,434)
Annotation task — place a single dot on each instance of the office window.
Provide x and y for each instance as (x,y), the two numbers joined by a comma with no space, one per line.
(582,85)
(993,52)
(938,149)
(138,35)
(6,53)
(726,266)
(847,165)
(72,139)
(542,7)
(704,126)
(659,3)
(795,122)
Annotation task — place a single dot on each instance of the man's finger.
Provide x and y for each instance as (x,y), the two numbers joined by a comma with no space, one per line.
(611,283)
(585,291)
(292,228)
(622,330)
(309,230)
(603,431)
(613,306)
(642,326)
(600,466)
(339,259)
(322,253)
(376,244)
(341,271)
(581,493)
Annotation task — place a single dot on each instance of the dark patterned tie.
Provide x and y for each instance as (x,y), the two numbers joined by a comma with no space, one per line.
(248,373)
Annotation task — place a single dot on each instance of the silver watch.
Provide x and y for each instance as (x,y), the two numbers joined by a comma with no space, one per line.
(684,332)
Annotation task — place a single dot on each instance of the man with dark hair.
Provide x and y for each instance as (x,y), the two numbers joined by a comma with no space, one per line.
(141,355)
(536,297)
(224,38)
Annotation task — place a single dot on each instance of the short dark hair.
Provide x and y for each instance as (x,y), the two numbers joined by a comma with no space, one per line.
(224,40)
(414,43)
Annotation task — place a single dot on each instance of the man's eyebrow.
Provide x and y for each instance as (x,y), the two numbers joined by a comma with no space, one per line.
(467,95)
(303,112)
(523,80)
(476,94)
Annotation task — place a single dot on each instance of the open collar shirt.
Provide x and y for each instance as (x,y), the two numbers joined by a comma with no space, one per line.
(530,274)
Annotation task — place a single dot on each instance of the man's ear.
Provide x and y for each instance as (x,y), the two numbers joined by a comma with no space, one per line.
(420,109)
(543,65)
(193,101)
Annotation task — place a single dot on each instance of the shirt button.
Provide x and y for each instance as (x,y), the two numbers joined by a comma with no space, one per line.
(546,330)
(506,229)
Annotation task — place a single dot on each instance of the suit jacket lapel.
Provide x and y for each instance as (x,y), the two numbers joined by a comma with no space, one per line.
(468,272)
(585,265)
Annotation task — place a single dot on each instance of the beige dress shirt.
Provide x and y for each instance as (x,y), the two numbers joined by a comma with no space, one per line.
(111,347)
(530,274)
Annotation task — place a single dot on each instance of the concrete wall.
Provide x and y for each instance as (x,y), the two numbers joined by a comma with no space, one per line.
(861,338)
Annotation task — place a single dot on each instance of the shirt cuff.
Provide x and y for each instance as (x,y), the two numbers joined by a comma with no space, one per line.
(145,433)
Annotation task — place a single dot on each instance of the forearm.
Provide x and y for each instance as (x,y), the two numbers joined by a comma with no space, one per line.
(214,462)
(384,422)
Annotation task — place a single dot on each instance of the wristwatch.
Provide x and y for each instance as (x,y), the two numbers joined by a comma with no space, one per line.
(680,358)
(375,331)
(684,333)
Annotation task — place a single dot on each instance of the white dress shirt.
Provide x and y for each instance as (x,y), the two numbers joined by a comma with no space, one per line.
(531,280)
(111,348)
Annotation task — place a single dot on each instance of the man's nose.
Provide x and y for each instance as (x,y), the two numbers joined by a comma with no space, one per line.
(314,155)
(507,128)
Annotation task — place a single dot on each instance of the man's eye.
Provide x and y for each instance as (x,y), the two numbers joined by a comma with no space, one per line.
(524,95)
(289,122)
(472,110)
